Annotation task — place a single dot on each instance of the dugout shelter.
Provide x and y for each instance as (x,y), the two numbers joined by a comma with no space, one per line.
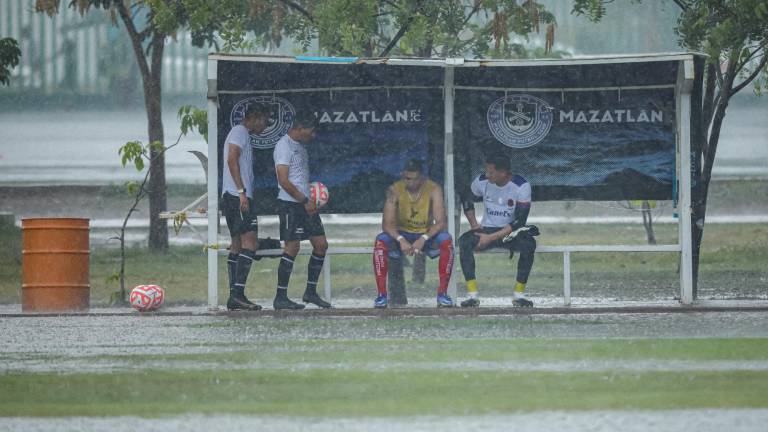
(590,128)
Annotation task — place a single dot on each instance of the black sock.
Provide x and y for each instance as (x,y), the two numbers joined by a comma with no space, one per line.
(231,269)
(284,270)
(244,261)
(314,268)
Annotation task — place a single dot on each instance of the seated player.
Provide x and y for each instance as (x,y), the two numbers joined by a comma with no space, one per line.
(414,222)
(507,200)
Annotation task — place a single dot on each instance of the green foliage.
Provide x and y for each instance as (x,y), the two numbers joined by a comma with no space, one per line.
(132,187)
(156,146)
(347,27)
(9,58)
(133,152)
(193,118)
(594,10)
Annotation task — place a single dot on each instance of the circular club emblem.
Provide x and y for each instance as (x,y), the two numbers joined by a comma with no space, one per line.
(280,119)
(519,121)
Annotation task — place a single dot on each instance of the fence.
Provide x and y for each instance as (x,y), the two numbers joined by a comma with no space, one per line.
(88,54)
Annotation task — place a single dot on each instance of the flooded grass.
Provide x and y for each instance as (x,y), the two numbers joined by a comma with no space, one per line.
(264,373)
(328,393)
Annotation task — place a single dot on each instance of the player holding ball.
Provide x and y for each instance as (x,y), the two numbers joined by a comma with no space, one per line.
(299,218)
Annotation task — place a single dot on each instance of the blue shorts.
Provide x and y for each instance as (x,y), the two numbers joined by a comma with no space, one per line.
(431,247)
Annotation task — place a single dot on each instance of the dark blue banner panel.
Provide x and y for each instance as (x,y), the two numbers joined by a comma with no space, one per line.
(363,140)
(595,144)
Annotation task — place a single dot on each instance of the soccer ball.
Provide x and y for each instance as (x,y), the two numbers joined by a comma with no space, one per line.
(318,193)
(146,298)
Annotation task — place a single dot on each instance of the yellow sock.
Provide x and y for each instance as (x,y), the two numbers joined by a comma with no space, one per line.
(519,287)
(472,286)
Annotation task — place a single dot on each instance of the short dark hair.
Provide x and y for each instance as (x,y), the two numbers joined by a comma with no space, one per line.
(256,108)
(306,119)
(413,165)
(499,160)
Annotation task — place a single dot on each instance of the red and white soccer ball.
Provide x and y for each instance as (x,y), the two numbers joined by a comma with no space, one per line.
(146,298)
(318,193)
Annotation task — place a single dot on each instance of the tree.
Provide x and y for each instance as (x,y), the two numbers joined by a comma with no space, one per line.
(9,58)
(423,28)
(340,27)
(149,25)
(734,34)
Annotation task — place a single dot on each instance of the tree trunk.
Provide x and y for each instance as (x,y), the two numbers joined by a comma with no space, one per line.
(150,78)
(648,223)
(699,200)
(158,228)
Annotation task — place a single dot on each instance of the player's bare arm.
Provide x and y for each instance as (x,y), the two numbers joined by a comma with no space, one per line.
(292,190)
(233,162)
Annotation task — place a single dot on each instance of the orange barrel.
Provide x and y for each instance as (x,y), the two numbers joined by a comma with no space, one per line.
(55,275)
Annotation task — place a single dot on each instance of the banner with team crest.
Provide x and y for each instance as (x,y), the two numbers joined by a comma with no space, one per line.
(596,129)
(598,144)
(361,144)
(372,119)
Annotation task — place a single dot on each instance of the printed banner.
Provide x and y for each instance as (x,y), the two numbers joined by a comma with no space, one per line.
(363,140)
(589,144)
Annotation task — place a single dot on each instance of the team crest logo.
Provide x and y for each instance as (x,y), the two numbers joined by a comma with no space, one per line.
(280,119)
(510,203)
(519,121)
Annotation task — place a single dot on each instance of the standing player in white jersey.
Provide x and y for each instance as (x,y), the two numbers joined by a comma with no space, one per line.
(507,200)
(237,203)
(299,219)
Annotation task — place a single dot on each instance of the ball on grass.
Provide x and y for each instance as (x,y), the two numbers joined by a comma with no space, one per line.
(146,298)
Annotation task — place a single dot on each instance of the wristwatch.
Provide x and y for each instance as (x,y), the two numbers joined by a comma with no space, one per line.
(306,200)
(241,191)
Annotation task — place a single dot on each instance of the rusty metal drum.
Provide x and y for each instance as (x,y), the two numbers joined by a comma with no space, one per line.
(55,266)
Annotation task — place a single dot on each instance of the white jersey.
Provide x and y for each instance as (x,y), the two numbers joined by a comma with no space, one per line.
(240,137)
(294,155)
(500,201)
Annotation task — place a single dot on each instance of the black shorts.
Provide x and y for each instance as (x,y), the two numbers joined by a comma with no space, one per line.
(517,244)
(296,223)
(237,221)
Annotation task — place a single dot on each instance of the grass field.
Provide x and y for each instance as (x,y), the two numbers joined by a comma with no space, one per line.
(733,265)
(327,368)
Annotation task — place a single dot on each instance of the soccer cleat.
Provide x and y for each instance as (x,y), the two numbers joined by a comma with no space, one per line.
(380,302)
(522,302)
(471,302)
(241,302)
(315,300)
(444,300)
(286,303)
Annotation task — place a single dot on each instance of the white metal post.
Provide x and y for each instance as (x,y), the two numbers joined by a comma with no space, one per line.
(450,200)
(213,188)
(567,278)
(684,87)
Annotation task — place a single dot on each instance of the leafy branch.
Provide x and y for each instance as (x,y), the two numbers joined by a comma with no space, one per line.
(138,154)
